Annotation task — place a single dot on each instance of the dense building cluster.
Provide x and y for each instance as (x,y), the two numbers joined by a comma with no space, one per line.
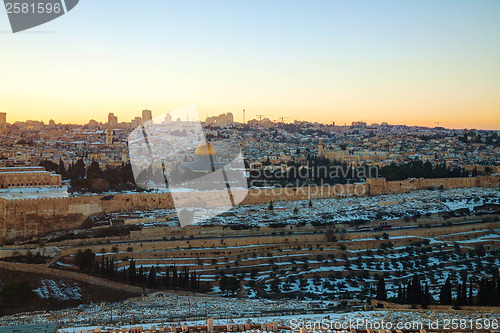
(266,145)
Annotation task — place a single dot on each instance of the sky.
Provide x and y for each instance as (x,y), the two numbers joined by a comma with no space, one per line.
(430,63)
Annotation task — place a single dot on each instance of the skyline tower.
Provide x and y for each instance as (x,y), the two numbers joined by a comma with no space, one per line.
(3,120)
(147,115)
(112,120)
(168,118)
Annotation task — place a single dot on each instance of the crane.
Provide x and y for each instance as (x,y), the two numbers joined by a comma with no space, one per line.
(282,119)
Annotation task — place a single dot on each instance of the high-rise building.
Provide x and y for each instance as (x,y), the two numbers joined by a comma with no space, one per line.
(112,120)
(168,118)
(3,120)
(136,122)
(146,116)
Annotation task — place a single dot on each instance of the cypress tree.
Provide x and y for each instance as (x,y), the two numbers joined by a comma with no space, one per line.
(405,295)
(445,294)
(193,281)
(112,267)
(152,277)
(481,295)
(497,296)
(124,275)
(459,294)
(471,297)
(132,273)
(175,280)
(96,267)
(61,168)
(185,280)
(140,275)
(167,278)
(381,291)
(425,297)
(464,292)
(102,268)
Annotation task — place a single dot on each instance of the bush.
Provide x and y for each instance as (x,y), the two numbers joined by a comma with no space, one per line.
(99,185)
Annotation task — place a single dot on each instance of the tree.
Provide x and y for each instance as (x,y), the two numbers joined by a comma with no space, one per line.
(152,277)
(61,168)
(111,267)
(400,294)
(166,278)
(274,286)
(479,250)
(99,185)
(175,278)
(381,291)
(224,284)
(140,275)
(471,297)
(78,170)
(49,166)
(193,283)
(445,293)
(124,275)
(234,284)
(94,170)
(132,273)
(85,260)
(426,297)
(414,291)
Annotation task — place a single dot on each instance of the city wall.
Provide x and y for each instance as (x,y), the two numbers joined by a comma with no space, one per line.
(29,217)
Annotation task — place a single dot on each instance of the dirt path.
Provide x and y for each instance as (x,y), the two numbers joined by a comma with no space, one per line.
(42,269)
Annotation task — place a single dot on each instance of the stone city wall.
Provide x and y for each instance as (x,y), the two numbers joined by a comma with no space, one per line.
(29,217)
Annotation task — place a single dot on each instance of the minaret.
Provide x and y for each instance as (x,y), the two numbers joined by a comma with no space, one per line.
(320,148)
(109,137)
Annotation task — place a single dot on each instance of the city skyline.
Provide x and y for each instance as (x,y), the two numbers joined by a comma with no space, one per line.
(136,120)
(404,63)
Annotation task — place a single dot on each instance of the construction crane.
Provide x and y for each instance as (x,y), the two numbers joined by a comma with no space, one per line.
(260,117)
(282,119)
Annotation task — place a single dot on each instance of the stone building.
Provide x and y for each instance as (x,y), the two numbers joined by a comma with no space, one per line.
(27,177)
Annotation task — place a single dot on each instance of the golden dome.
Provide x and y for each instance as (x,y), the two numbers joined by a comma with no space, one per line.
(205,149)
